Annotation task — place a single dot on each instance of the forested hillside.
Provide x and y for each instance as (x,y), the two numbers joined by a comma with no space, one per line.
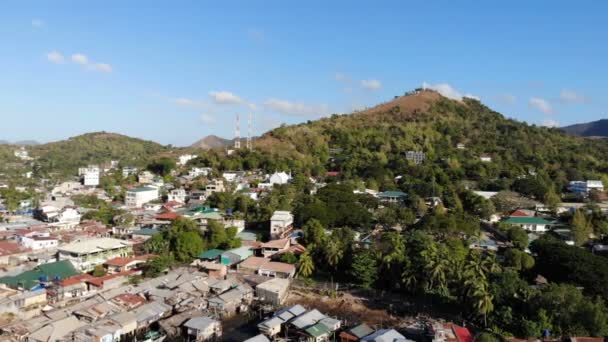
(64,157)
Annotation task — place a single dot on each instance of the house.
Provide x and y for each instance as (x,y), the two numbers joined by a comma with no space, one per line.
(235,256)
(522,213)
(216,185)
(317,333)
(128,171)
(211,255)
(273,291)
(277,270)
(9,251)
(177,195)
(485,159)
(73,287)
(199,171)
(203,329)
(144,233)
(122,264)
(307,319)
(273,247)
(392,196)
(110,281)
(385,335)
(36,243)
(277,178)
(233,176)
(252,264)
(86,254)
(258,338)
(137,197)
(356,333)
(185,158)
(531,224)
(271,326)
(281,224)
(461,146)
(230,301)
(585,187)
(56,330)
(145,177)
(150,313)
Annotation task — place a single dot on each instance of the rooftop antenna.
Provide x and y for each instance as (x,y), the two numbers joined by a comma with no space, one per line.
(237,133)
(250,128)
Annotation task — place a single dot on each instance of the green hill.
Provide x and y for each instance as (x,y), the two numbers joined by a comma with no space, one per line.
(66,156)
(371,145)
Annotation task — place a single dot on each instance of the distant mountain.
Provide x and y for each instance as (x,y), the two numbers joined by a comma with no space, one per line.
(26,143)
(4,142)
(211,141)
(597,128)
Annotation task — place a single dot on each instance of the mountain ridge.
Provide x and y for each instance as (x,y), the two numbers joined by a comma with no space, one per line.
(598,128)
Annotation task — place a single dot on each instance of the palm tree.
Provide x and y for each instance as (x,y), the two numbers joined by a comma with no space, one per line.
(334,253)
(307,266)
(483,301)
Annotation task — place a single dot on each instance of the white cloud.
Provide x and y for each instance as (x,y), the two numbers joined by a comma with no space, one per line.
(37,23)
(444,89)
(55,57)
(571,96)
(507,99)
(340,77)
(182,101)
(208,119)
(471,96)
(541,105)
(225,97)
(296,108)
(550,123)
(102,67)
(79,58)
(371,84)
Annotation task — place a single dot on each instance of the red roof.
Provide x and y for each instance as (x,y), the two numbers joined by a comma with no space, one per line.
(81,278)
(463,334)
(281,243)
(26,231)
(98,282)
(120,261)
(170,216)
(332,173)
(130,299)
(172,204)
(9,247)
(519,213)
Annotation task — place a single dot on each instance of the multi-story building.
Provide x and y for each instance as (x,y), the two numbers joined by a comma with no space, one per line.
(281,223)
(216,185)
(86,254)
(38,242)
(137,197)
(177,195)
(129,171)
(199,171)
(185,158)
(89,175)
(415,156)
(145,177)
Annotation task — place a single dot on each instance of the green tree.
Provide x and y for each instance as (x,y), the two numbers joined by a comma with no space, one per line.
(581,228)
(518,237)
(155,266)
(314,233)
(188,246)
(289,258)
(307,265)
(333,253)
(364,268)
(99,271)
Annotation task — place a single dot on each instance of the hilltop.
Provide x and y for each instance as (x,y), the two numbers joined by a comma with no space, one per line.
(597,128)
(371,145)
(66,156)
(211,142)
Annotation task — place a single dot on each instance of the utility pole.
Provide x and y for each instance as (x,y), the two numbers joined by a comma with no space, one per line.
(250,132)
(237,133)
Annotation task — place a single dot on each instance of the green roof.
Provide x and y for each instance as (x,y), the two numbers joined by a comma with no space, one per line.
(29,279)
(317,330)
(211,254)
(526,220)
(146,231)
(392,194)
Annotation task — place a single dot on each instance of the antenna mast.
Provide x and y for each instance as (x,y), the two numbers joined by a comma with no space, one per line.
(250,129)
(237,133)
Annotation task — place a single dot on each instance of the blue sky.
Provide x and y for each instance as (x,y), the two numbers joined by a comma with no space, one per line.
(176,71)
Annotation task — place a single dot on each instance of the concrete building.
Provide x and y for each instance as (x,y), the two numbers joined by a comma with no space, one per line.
(90,175)
(216,185)
(273,291)
(145,177)
(281,223)
(36,243)
(87,254)
(585,187)
(177,195)
(199,171)
(135,198)
(129,171)
(185,158)
(415,156)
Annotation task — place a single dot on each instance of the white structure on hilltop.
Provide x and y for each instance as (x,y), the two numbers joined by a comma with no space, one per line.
(137,197)
(87,254)
(199,171)
(585,187)
(22,154)
(177,195)
(277,178)
(281,223)
(185,158)
(89,175)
